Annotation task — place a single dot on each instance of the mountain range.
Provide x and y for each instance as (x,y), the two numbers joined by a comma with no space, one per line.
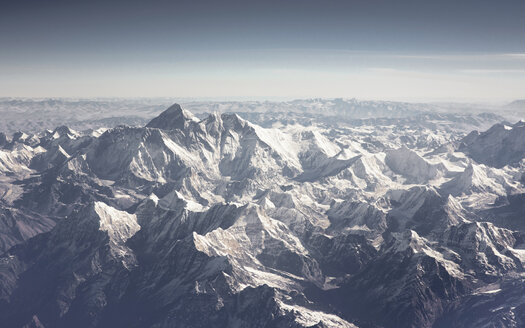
(392,217)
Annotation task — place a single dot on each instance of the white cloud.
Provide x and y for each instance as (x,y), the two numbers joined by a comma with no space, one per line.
(493,71)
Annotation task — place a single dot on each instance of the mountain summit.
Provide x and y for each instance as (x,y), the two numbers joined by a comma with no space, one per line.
(172,118)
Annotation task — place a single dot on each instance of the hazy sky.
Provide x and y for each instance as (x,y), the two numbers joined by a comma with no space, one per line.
(379,49)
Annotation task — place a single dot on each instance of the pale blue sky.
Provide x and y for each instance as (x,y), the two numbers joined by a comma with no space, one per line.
(446,50)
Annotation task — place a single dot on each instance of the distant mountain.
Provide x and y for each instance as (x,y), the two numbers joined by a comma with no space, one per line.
(499,146)
(516,104)
(36,115)
(383,218)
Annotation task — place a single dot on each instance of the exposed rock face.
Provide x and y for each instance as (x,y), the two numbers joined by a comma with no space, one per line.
(220,222)
(499,146)
(172,118)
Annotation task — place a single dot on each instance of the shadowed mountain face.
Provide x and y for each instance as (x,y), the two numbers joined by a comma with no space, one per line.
(499,146)
(219,222)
